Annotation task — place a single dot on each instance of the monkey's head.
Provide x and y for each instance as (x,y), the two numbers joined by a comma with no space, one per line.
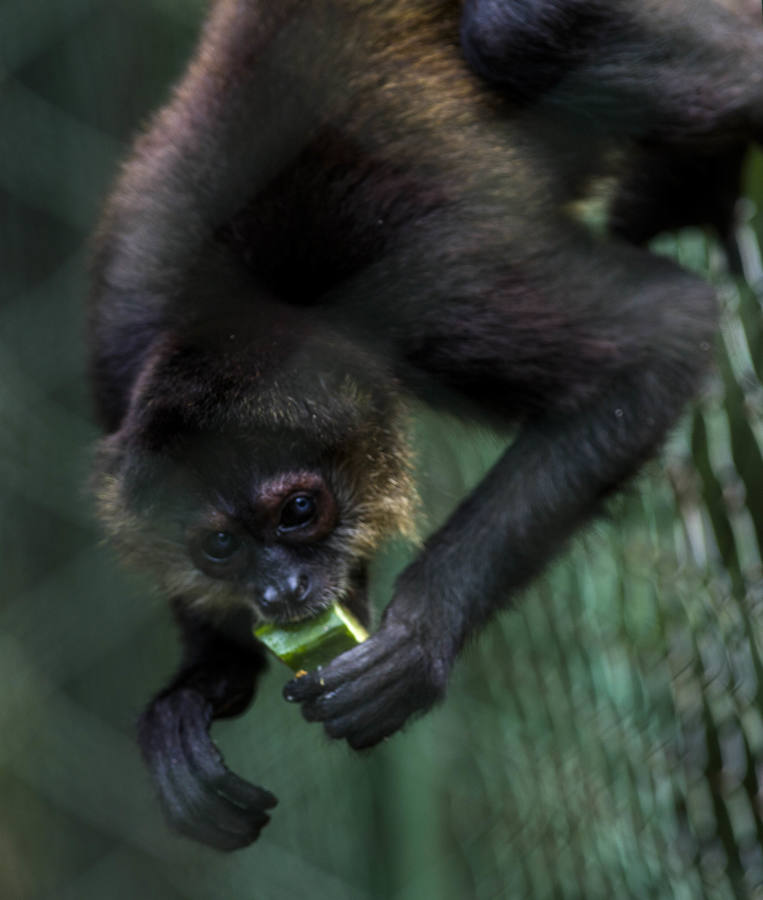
(257,471)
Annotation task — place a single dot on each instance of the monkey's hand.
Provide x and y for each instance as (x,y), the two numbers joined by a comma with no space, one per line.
(369,692)
(200,796)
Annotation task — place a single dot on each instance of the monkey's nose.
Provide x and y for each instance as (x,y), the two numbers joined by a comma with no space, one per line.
(285,593)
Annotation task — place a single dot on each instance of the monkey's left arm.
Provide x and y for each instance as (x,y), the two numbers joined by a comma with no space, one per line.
(603,368)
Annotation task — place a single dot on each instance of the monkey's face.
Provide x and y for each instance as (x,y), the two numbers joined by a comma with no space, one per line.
(274,521)
(218,529)
(284,549)
(233,492)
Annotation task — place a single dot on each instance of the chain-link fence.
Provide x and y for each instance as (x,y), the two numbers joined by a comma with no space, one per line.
(605,740)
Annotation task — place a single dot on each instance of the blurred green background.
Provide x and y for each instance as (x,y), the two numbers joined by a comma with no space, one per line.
(604,740)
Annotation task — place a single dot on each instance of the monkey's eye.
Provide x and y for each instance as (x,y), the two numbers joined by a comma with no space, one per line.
(220,546)
(297,512)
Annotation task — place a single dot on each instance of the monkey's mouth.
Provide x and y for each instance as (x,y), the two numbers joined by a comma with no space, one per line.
(291,615)
(288,612)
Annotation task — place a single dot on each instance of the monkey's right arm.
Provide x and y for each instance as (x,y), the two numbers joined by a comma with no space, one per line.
(200,796)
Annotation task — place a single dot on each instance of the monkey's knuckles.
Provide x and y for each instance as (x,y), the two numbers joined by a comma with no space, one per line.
(363,697)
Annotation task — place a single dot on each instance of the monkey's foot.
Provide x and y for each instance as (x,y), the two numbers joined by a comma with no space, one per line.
(369,692)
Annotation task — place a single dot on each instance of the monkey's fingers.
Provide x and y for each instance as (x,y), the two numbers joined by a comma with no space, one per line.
(369,692)
(366,725)
(200,796)
(346,666)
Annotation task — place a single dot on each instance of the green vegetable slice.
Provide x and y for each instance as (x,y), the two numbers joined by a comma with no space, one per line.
(314,642)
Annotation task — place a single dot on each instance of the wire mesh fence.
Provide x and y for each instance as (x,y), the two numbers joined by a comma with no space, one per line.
(604,739)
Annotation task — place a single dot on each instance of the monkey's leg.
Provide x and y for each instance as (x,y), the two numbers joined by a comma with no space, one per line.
(684,78)
(603,347)
(199,795)
(665,70)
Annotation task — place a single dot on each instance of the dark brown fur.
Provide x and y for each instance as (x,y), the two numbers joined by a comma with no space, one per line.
(346,203)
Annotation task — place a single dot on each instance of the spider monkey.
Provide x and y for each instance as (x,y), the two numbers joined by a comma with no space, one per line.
(347,204)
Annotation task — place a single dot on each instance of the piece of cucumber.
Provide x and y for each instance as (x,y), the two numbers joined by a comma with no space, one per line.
(314,642)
